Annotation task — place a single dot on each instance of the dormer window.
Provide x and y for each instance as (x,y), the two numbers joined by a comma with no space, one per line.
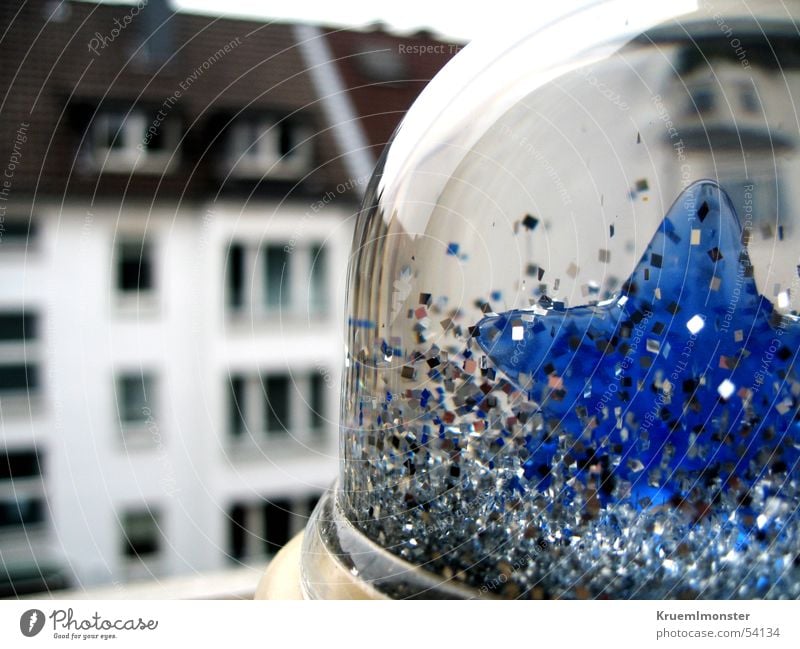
(269,147)
(748,98)
(134,141)
(701,100)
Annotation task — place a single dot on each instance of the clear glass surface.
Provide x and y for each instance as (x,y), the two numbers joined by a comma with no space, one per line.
(571,340)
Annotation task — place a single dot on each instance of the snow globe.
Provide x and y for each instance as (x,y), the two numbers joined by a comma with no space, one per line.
(571,342)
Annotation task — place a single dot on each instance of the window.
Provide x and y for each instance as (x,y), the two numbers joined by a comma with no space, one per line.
(15,465)
(17,233)
(766,198)
(17,326)
(19,353)
(279,149)
(384,65)
(277,284)
(749,99)
(237,406)
(134,266)
(21,490)
(277,281)
(18,378)
(141,534)
(702,100)
(22,512)
(237,526)
(277,408)
(135,394)
(136,140)
(277,516)
(28,578)
(235,277)
(317,292)
(316,402)
(111,134)
(276,402)
(260,528)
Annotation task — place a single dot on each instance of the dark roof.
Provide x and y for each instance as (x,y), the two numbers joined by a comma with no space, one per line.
(384,74)
(55,83)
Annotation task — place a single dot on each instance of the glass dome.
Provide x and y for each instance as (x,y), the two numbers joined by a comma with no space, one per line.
(570,365)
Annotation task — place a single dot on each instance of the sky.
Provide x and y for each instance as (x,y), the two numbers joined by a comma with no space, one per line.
(460,21)
(409,15)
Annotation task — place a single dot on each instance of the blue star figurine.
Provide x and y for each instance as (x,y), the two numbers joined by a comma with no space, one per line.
(686,378)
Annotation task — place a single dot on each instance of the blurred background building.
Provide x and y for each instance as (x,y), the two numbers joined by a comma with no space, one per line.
(176,205)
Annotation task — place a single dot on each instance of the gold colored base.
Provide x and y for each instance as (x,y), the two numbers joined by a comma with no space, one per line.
(283,578)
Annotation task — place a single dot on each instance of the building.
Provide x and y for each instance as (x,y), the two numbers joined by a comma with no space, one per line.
(175,222)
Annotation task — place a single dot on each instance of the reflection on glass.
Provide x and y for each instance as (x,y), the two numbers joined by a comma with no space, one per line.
(572,319)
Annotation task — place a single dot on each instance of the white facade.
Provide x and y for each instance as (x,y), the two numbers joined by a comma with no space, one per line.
(176,455)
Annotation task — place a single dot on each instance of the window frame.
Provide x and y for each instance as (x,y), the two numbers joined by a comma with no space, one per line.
(28,487)
(145,247)
(139,431)
(19,244)
(304,286)
(248,525)
(24,352)
(144,299)
(138,565)
(301,432)
(254,144)
(693,109)
(131,129)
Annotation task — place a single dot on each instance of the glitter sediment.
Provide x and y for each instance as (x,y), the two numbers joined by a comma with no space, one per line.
(641,446)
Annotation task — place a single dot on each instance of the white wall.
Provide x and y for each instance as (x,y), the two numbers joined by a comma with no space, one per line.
(183,464)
